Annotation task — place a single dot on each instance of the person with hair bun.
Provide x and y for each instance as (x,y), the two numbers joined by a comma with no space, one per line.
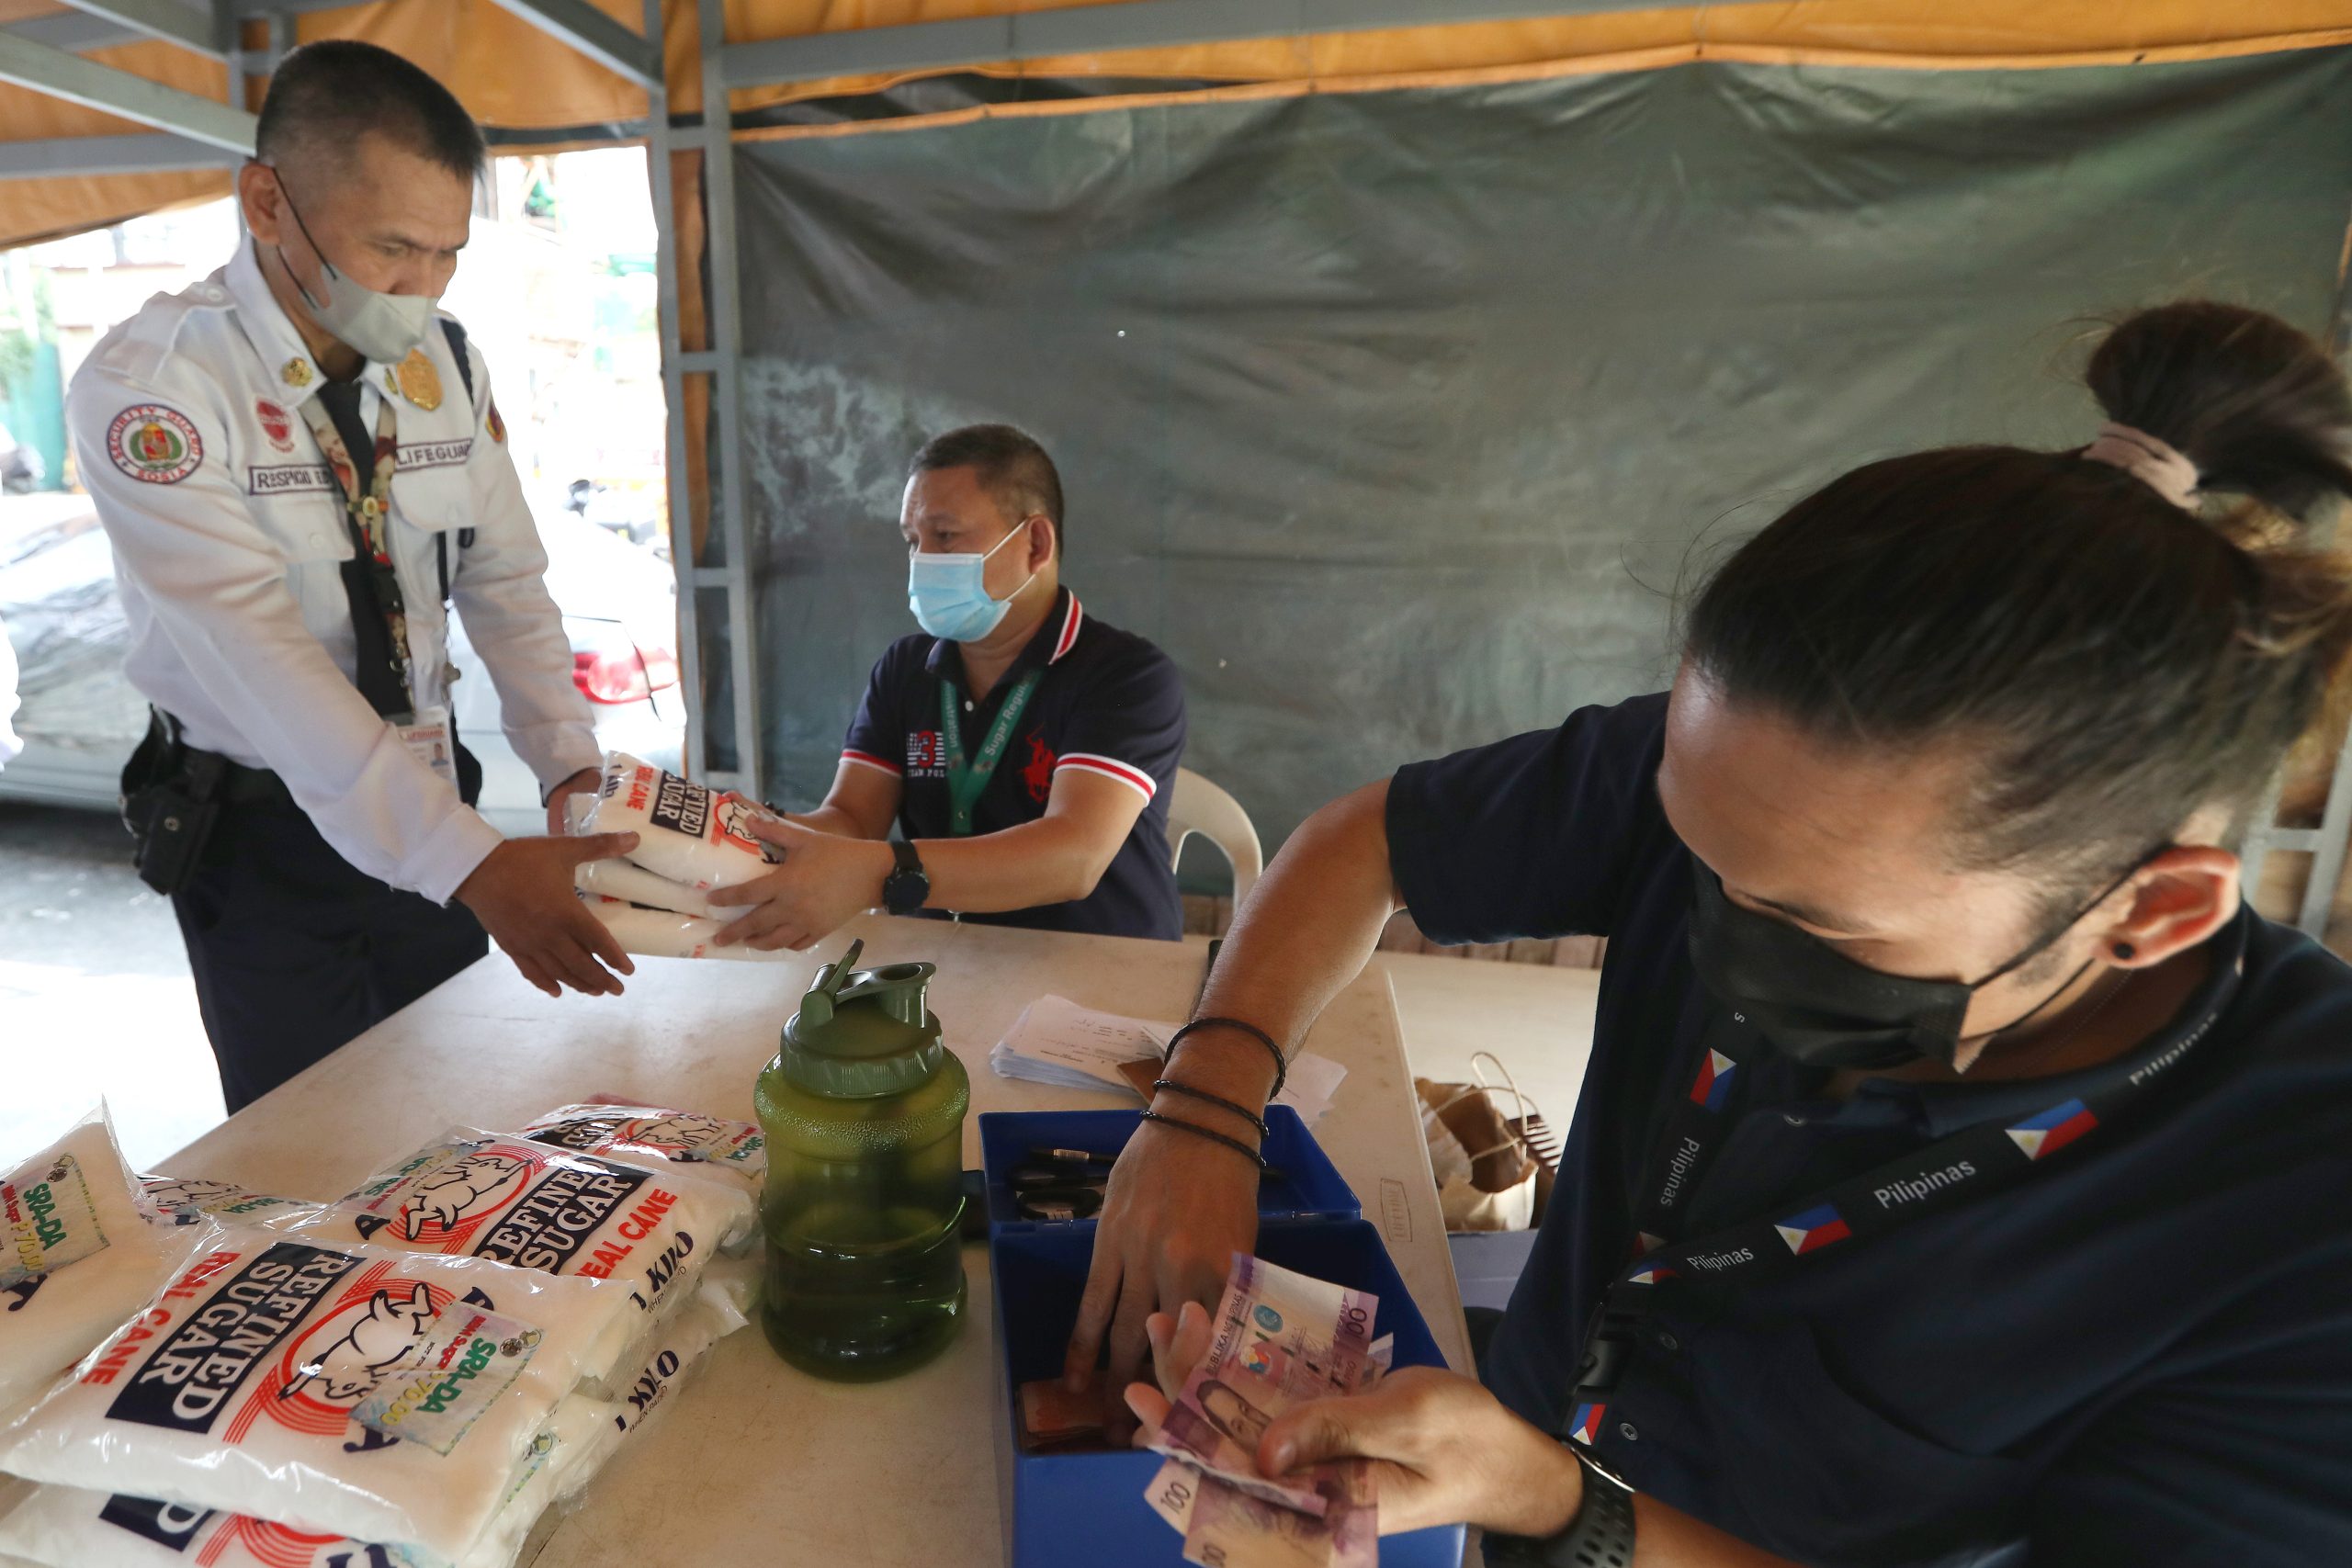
(1960,1171)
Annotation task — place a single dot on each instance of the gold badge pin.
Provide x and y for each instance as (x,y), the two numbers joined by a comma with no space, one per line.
(420,383)
(297,373)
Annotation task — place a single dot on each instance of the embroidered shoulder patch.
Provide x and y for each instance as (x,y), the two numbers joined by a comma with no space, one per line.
(497,425)
(154,445)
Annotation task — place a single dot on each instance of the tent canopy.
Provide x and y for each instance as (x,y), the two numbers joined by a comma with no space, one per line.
(800,61)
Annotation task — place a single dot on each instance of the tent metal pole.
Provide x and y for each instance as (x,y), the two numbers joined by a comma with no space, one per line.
(595,35)
(59,74)
(72,32)
(728,500)
(149,152)
(207,31)
(660,142)
(2328,847)
(1103,29)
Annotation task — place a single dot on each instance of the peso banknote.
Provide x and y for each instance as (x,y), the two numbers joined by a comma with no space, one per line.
(1308,1336)
(1216,1425)
(1227,1527)
(1280,1339)
(1173,1491)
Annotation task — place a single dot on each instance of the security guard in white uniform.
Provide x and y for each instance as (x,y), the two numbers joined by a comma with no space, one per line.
(299,463)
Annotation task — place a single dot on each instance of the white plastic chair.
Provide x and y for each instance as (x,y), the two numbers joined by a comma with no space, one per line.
(1200,807)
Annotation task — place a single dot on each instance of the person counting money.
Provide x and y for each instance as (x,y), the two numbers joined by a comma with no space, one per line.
(299,466)
(1945,1185)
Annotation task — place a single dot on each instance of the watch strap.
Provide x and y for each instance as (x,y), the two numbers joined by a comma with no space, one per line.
(1600,1536)
(904,890)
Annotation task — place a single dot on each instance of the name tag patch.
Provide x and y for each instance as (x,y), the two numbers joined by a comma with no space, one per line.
(287,479)
(436,453)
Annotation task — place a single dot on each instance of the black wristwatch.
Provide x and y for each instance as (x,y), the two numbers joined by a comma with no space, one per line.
(1600,1536)
(906,889)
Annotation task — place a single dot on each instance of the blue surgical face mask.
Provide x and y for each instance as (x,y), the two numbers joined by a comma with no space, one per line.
(949,592)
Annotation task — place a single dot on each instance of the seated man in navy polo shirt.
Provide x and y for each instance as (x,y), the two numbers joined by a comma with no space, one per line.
(1023,749)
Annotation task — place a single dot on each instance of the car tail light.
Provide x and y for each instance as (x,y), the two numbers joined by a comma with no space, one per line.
(611,675)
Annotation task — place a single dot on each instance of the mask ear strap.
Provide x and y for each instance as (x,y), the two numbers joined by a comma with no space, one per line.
(325,265)
(1020,532)
(2071,921)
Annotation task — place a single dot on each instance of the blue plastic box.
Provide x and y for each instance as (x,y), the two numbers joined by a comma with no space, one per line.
(1084,1510)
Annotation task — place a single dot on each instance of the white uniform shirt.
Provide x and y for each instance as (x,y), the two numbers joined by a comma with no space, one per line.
(229,537)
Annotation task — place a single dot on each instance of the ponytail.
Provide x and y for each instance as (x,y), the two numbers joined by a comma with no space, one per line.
(2116,661)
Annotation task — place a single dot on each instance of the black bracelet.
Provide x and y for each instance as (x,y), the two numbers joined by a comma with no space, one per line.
(1281,1067)
(1216,1100)
(1198,1130)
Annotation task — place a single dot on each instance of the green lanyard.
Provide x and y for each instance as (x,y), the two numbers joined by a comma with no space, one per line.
(966,780)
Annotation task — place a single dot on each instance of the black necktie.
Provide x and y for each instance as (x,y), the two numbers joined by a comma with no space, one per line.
(379,680)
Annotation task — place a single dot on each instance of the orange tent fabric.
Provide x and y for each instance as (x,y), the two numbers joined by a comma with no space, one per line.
(541,95)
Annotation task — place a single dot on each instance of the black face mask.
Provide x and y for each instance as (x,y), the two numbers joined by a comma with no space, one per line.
(1822,1008)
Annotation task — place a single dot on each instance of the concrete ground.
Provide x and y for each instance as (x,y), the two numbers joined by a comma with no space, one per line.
(94,999)
(94,994)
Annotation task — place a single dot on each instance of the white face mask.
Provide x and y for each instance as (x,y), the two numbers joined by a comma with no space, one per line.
(949,592)
(384,327)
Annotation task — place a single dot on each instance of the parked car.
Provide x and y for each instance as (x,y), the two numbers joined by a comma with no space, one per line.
(625,509)
(80,717)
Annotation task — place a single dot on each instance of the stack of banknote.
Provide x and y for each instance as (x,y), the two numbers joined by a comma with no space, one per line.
(1280,1339)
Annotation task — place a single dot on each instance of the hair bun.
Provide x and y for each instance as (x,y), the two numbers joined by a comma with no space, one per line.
(2257,406)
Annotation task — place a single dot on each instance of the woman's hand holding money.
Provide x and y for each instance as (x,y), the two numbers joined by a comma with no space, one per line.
(1442,1448)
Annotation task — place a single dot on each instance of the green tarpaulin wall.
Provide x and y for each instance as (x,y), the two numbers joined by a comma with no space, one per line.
(1395,417)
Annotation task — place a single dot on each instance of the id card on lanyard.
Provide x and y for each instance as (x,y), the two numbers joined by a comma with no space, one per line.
(1963,1167)
(967,779)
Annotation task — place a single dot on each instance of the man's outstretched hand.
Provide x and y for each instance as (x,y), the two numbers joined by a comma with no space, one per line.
(523,896)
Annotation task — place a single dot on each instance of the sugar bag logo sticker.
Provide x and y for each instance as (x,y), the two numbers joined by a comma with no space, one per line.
(188,1380)
(469,1358)
(51,1222)
(154,445)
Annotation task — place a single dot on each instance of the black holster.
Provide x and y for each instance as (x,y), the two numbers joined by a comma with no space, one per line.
(170,802)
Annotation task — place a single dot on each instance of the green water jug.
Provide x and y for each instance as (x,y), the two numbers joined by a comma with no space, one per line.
(863,1110)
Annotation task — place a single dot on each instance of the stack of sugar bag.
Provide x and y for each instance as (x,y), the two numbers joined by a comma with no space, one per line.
(80,1256)
(689,839)
(410,1376)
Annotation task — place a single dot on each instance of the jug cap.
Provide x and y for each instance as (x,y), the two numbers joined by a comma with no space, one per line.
(863,1033)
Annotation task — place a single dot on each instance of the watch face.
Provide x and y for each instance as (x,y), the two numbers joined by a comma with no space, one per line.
(904,892)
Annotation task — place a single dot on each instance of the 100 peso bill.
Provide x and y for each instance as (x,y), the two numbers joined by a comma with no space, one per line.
(1281,1338)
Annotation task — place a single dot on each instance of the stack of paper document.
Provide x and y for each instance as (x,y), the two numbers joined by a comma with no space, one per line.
(1057,1041)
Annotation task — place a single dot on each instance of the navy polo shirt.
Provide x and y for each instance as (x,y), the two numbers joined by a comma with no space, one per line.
(2139,1352)
(1108,703)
